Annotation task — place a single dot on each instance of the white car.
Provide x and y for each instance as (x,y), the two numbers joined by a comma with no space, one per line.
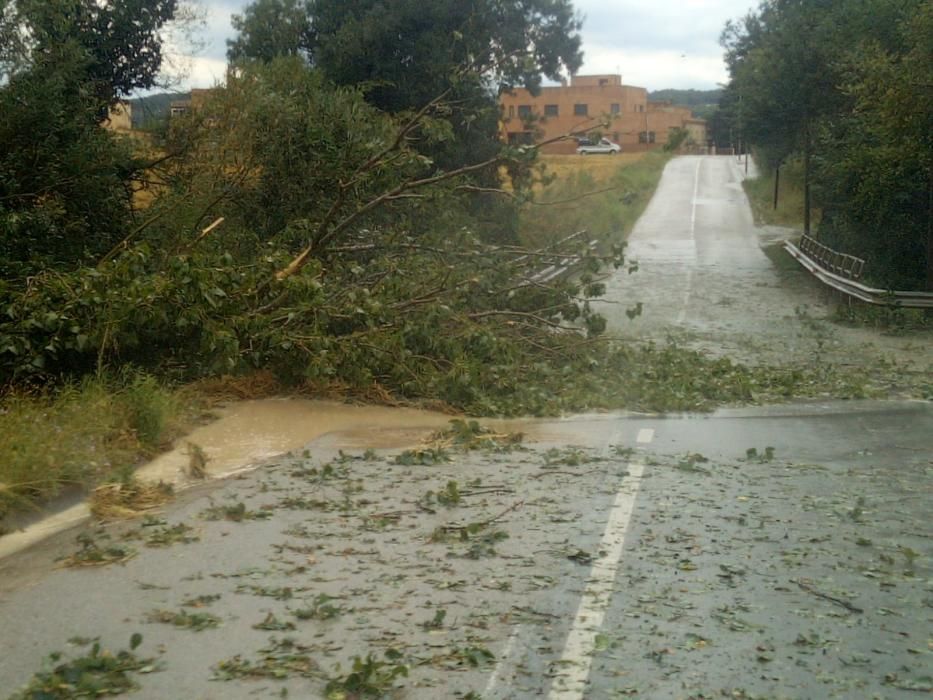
(604,146)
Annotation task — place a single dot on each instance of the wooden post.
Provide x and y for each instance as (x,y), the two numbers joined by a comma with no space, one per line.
(806,178)
(777,180)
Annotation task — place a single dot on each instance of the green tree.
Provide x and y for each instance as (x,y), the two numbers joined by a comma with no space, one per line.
(271,28)
(63,190)
(120,41)
(410,51)
(781,64)
(64,182)
(407,53)
(841,85)
(876,167)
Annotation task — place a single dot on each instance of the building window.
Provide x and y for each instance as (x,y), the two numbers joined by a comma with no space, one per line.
(646,137)
(511,111)
(603,81)
(524,111)
(550,110)
(579,110)
(614,108)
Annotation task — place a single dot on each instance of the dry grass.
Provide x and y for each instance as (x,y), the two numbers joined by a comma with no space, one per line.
(602,195)
(82,435)
(600,168)
(128,499)
(256,385)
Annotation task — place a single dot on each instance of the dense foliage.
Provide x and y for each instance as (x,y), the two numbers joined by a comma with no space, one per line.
(846,85)
(65,184)
(345,256)
(407,53)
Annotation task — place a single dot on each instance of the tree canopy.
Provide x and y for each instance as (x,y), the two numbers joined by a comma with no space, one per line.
(404,54)
(271,28)
(846,86)
(64,182)
(408,52)
(118,42)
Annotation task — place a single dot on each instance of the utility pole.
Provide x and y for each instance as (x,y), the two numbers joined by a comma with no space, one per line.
(806,175)
(777,179)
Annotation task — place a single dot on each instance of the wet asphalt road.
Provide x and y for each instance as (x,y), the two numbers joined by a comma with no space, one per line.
(798,572)
(704,280)
(609,556)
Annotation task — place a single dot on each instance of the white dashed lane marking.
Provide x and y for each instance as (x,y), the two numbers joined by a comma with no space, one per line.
(577,658)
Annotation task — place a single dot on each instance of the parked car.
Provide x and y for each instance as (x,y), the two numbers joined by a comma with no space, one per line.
(604,146)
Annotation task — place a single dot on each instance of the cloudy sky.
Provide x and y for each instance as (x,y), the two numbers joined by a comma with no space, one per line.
(652,43)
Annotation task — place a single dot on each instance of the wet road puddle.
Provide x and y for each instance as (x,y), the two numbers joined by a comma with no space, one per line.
(248,433)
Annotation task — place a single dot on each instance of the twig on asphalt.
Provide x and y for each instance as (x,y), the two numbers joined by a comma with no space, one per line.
(838,601)
(485,523)
(558,471)
(532,611)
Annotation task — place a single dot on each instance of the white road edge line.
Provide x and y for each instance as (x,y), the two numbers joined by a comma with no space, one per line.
(577,658)
(693,224)
(504,657)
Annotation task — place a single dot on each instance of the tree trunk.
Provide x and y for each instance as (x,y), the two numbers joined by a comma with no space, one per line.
(930,231)
(806,178)
(777,180)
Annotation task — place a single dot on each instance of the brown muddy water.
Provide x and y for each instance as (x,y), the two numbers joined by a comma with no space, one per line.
(248,433)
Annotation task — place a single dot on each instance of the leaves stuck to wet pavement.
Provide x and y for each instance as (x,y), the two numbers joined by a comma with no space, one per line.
(98,673)
(95,553)
(741,577)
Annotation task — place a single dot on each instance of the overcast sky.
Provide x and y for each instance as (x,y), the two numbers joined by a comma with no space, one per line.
(653,43)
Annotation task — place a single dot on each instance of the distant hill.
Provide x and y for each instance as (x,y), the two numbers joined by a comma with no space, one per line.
(154,108)
(702,102)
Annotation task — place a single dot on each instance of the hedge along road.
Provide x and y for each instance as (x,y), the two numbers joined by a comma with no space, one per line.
(779,552)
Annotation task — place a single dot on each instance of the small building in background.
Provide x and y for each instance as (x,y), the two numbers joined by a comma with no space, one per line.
(194,102)
(119,117)
(600,103)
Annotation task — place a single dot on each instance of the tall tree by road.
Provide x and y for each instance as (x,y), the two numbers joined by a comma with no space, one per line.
(816,79)
(406,53)
(64,191)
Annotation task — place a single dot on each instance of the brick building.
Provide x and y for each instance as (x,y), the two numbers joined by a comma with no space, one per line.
(119,117)
(594,102)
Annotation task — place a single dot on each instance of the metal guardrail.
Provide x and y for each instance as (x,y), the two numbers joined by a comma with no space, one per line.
(841,272)
(841,263)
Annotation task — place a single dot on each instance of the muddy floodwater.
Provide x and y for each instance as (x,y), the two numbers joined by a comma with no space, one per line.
(248,433)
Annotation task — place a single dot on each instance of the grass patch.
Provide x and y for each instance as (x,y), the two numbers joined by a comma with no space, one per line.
(603,196)
(890,319)
(789,212)
(81,435)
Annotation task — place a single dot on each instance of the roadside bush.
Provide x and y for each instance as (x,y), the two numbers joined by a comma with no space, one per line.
(78,435)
